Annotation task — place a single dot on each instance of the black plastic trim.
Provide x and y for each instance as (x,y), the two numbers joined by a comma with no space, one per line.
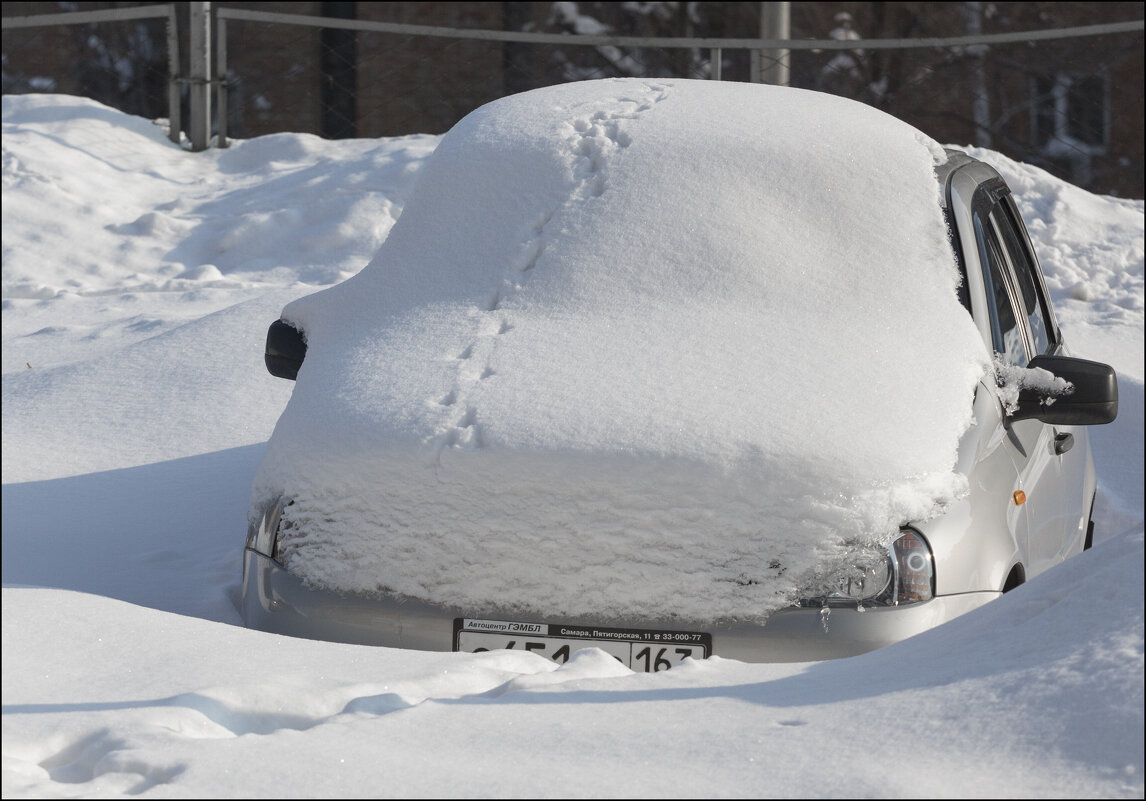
(286,349)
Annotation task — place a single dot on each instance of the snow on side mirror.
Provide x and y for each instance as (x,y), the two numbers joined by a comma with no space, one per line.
(1091,399)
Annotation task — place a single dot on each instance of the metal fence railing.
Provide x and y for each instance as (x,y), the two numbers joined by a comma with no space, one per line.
(1068,98)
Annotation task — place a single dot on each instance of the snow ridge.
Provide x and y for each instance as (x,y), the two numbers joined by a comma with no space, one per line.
(595,135)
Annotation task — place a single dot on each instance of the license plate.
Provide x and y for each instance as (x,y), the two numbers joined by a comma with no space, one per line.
(642,650)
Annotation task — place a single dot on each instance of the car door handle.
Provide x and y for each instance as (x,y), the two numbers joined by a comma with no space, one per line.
(1063,443)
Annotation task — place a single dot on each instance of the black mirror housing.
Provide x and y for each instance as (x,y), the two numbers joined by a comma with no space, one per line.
(1094,400)
(286,349)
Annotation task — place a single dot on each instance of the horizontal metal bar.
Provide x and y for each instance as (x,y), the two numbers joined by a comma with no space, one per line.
(675,42)
(84,17)
(202,81)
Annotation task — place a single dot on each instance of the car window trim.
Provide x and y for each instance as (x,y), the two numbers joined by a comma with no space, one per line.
(1002,197)
(983,203)
(1011,214)
(1010,278)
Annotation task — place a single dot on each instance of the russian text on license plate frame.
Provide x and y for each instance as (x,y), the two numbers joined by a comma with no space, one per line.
(642,650)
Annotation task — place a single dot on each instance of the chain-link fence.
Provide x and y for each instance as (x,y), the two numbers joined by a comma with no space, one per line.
(125,58)
(1072,105)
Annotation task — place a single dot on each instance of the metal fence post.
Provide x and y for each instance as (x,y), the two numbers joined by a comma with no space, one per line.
(775,23)
(200,76)
(174,96)
(980,102)
(221,82)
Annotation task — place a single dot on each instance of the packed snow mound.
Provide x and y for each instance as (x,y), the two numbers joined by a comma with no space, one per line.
(276,209)
(677,348)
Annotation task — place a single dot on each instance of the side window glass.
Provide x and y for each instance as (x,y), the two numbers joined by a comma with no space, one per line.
(1033,305)
(1006,332)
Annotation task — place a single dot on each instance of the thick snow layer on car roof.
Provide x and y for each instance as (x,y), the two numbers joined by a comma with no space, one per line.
(674,349)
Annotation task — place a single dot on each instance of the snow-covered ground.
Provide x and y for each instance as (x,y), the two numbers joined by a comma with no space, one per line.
(138,282)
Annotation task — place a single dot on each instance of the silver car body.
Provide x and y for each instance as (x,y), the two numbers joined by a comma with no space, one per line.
(1031,491)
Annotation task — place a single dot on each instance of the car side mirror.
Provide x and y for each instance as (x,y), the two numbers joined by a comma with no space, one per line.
(1094,400)
(285,350)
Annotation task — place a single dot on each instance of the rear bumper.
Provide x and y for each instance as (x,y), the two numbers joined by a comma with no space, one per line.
(277,601)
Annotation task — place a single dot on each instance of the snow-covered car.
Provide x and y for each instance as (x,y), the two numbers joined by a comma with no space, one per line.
(675,369)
